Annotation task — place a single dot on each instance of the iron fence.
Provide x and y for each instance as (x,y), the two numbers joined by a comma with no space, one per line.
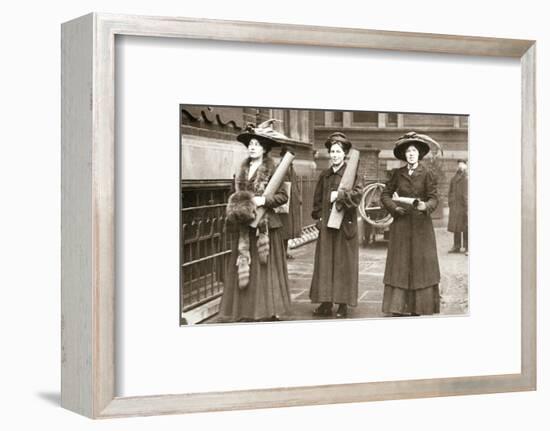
(205,246)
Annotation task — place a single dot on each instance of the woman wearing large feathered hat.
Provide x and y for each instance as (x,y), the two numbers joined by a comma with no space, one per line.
(256,286)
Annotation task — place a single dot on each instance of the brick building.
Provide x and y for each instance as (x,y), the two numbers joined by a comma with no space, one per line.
(374,134)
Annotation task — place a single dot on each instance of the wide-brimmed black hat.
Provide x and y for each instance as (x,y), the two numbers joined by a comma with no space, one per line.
(264,133)
(338,138)
(421,142)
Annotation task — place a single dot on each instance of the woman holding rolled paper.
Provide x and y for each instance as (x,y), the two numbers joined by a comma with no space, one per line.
(256,286)
(411,277)
(335,273)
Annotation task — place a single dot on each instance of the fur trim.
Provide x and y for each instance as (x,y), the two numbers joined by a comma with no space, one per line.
(240,208)
(239,211)
(243,271)
(262,243)
(243,260)
(259,180)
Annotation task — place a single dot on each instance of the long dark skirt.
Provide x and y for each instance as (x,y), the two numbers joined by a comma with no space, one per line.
(336,268)
(267,293)
(408,301)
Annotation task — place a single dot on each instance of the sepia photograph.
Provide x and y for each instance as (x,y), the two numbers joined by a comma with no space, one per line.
(302,214)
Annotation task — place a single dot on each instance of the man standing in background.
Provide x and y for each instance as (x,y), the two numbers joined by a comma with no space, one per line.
(458,208)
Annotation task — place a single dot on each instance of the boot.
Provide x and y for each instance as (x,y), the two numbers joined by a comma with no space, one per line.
(342,311)
(323,310)
(456,243)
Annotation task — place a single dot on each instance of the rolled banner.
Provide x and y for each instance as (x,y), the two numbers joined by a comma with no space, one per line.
(347,182)
(407,202)
(275,182)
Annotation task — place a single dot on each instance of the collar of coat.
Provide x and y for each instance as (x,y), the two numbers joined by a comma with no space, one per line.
(328,172)
(260,178)
(404,170)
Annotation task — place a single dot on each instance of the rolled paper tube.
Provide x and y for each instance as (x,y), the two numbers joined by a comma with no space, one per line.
(274,183)
(410,202)
(347,182)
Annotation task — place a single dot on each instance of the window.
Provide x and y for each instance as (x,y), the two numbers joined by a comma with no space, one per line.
(370,118)
(319,118)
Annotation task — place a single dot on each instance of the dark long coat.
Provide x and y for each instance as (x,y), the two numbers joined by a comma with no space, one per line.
(458,203)
(412,261)
(335,272)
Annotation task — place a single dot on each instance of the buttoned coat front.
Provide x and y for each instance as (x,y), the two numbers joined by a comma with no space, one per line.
(412,261)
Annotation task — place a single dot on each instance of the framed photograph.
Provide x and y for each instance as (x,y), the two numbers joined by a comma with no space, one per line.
(265,215)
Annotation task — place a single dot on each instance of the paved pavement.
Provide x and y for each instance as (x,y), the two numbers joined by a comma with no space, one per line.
(453,287)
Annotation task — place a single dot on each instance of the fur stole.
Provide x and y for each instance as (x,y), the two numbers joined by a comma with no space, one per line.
(241,211)
(259,180)
(240,208)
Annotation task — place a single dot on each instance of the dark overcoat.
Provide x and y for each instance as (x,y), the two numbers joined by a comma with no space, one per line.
(412,261)
(458,203)
(335,272)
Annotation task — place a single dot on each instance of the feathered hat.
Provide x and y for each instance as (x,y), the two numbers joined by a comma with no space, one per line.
(264,133)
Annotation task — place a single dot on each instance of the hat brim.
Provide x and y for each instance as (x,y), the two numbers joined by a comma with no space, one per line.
(245,138)
(401,147)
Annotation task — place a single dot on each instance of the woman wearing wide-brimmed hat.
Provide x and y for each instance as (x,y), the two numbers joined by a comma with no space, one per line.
(335,272)
(256,286)
(411,277)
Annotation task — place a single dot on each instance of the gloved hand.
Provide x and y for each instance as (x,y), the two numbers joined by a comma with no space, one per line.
(421,206)
(400,211)
(333,196)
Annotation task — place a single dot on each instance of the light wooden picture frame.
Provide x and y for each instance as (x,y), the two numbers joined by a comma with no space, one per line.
(88,214)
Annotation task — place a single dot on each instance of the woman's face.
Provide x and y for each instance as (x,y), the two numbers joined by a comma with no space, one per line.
(336,154)
(411,155)
(255,149)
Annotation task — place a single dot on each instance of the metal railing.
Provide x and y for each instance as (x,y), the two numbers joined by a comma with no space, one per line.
(205,246)
(204,243)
